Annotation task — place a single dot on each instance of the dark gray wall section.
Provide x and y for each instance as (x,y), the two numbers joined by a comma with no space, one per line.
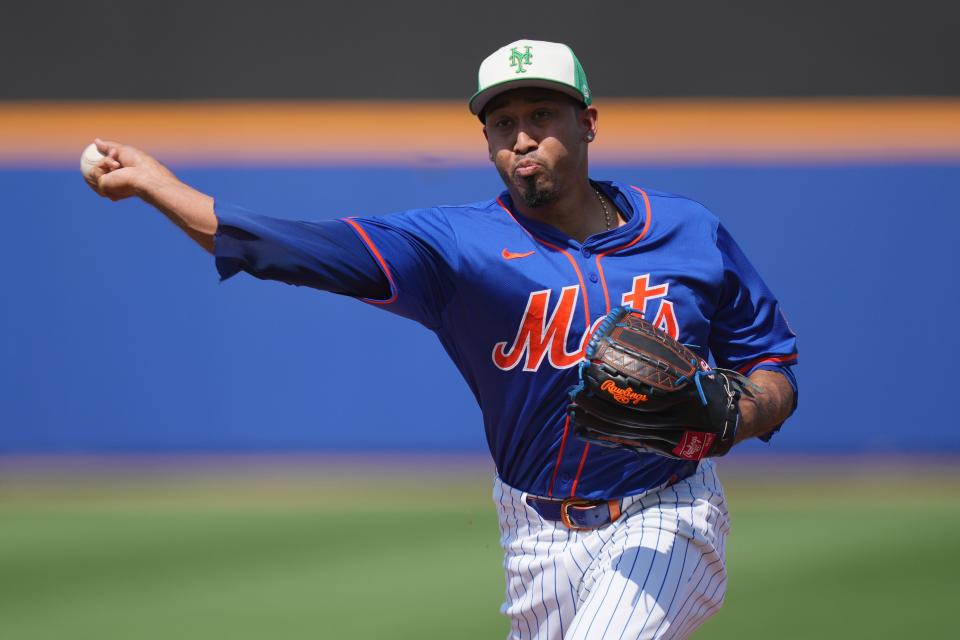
(431,49)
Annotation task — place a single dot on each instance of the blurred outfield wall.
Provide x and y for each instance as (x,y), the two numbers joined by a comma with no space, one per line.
(116,336)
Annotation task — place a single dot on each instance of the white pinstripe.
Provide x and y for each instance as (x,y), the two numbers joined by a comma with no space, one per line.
(657,572)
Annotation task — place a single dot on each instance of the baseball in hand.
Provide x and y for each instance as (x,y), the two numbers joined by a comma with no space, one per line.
(89,160)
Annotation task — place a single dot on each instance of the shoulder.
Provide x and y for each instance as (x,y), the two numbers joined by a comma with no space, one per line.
(681,208)
(449,215)
(472,221)
(483,212)
(448,230)
(671,213)
(440,220)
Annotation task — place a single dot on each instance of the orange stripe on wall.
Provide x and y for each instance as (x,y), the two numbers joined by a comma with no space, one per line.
(43,134)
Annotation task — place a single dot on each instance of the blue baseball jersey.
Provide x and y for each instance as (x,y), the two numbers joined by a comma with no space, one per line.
(512,301)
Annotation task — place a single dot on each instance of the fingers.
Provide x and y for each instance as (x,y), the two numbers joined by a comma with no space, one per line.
(109,164)
(118,174)
(127,156)
(104,167)
(108,147)
(117,184)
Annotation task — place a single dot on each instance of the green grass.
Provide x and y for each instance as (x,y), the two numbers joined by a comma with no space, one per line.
(237,557)
(843,559)
(170,573)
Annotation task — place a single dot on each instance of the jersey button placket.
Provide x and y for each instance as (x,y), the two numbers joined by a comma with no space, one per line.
(591,275)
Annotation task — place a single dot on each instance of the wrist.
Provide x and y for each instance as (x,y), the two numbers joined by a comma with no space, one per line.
(748,417)
(149,187)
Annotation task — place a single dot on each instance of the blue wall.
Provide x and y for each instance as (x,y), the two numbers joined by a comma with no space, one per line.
(116,336)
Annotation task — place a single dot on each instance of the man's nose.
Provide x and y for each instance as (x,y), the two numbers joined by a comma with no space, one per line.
(524,143)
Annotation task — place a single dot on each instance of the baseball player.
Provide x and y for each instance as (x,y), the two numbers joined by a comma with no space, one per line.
(598,542)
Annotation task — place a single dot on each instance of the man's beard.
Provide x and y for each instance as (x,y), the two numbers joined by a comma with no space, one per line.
(534,195)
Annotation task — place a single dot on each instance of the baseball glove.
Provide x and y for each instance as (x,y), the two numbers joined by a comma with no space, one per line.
(642,390)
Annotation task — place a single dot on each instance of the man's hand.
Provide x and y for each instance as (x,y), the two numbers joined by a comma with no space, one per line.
(127,171)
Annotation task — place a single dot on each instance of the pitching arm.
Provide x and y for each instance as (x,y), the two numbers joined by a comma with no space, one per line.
(325,255)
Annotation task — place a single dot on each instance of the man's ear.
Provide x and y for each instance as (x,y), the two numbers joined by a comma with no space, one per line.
(487,138)
(588,122)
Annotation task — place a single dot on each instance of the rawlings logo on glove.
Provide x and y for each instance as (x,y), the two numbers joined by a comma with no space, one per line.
(623,396)
(642,390)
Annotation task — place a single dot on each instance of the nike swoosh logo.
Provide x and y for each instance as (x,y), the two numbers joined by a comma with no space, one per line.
(510,255)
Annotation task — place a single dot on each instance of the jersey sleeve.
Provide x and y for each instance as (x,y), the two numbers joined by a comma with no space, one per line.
(417,251)
(749,330)
(324,255)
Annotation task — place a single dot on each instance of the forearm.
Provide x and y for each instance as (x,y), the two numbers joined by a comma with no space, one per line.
(764,411)
(186,207)
(125,171)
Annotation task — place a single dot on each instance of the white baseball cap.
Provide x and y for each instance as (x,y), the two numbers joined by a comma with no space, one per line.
(530,63)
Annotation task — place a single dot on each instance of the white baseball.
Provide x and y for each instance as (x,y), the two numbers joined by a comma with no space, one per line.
(90,158)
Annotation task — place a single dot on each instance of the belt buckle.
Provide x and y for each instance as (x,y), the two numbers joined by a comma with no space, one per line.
(567,504)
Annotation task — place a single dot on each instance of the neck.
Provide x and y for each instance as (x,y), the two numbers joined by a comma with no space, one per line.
(577,212)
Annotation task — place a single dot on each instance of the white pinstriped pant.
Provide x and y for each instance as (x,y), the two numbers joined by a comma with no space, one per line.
(657,572)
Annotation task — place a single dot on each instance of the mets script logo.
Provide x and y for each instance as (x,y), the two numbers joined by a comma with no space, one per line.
(643,292)
(539,337)
(518,59)
(623,395)
(543,335)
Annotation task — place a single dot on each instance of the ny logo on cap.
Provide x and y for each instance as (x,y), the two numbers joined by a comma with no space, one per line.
(518,59)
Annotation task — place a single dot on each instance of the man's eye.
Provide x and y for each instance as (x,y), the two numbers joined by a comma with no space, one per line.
(540,114)
(502,122)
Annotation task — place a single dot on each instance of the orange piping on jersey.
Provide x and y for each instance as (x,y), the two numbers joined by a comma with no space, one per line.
(583,288)
(383,265)
(576,480)
(586,311)
(606,296)
(556,467)
(643,232)
(790,359)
